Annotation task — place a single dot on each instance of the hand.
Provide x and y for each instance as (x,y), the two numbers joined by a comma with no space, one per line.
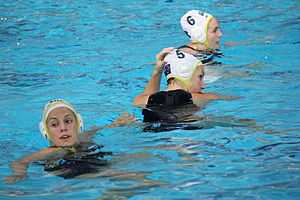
(14,178)
(161,56)
(123,120)
(95,128)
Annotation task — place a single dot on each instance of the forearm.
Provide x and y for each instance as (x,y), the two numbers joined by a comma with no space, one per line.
(229,98)
(153,85)
(214,96)
(19,171)
(19,167)
(122,120)
(88,134)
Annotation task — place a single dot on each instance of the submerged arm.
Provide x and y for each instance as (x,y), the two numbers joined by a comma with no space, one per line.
(122,120)
(231,121)
(19,167)
(203,98)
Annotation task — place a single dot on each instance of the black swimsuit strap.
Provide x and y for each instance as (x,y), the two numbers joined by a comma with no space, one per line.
(189,47)
(215,52)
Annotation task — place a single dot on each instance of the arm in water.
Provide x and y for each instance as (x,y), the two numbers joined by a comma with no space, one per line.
(122,120)
(19,167)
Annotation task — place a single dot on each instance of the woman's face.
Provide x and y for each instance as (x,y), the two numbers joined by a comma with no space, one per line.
(62,127)
(214,34)
(197,79)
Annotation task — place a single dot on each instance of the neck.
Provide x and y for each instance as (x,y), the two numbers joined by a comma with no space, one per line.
(177,85)
(174,86)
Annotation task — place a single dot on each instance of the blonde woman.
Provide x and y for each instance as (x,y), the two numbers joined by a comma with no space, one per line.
(71,150)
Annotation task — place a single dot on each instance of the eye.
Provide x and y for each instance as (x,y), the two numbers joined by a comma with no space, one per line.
(201,76)
(216,30)
(53,124)
(68,121)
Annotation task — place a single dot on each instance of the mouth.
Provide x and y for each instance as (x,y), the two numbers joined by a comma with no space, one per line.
(64,137)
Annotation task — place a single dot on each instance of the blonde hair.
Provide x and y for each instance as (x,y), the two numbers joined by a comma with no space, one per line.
(185,84)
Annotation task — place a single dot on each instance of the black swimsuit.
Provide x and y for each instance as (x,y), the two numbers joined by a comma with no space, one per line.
(85,158)
(168,110)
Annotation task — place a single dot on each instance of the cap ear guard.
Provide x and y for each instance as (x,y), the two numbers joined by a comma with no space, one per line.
(80,122)
(195,24)
(197,35)
(42,130)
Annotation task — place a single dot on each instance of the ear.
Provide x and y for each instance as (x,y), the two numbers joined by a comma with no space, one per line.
(200,68)
(200,65)
(43,129)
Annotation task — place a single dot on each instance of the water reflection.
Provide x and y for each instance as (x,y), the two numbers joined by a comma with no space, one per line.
(19,79)
(196,122)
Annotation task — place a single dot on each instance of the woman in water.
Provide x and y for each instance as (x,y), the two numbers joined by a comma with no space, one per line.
(204,32)
(71,152)
(184,96)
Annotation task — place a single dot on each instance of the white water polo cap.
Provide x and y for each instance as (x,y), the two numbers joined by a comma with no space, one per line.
(195,24)
(180,65)
(50,106)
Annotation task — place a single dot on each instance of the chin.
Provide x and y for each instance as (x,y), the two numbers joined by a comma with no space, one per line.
(195,90)
(68,143)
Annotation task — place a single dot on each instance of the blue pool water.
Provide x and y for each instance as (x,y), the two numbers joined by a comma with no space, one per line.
(99,54)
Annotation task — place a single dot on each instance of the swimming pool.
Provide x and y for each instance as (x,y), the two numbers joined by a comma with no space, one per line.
(98,55)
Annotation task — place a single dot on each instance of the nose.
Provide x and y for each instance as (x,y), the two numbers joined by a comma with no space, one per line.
(220,33)
(63,127)
(202,85)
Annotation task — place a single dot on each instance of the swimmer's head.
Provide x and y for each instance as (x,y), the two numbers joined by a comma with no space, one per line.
(201,28)
(181,66)
(60,123)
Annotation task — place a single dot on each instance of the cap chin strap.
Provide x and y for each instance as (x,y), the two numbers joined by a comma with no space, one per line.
(42,130)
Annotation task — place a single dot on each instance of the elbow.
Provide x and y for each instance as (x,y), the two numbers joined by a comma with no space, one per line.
(140,100)
(135,101)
